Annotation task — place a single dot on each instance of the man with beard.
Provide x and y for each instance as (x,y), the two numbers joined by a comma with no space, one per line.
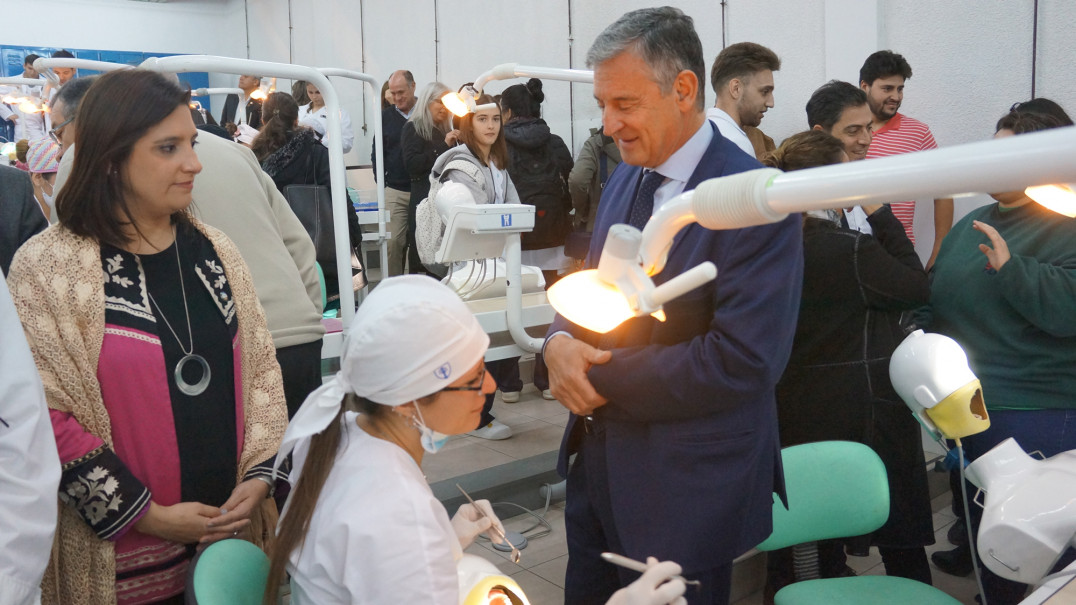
(742,77)
(882,77)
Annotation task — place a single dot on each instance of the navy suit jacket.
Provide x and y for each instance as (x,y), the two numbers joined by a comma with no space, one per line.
(20,215)
(691,425)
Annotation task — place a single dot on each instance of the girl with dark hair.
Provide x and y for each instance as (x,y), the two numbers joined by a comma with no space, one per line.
(290,154)
(836,385)
(293,155)
(539,163)
(427,134)
(162,382)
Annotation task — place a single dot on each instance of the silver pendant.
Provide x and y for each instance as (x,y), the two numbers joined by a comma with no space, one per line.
(185,387)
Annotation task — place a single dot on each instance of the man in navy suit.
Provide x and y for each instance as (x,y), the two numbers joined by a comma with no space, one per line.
(674,426)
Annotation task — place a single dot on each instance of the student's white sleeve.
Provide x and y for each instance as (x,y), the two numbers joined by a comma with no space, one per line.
(347,135)
(29,466)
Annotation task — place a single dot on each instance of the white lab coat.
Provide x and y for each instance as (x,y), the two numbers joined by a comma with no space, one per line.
(29,126)
(377,535)
(29,466)
(319,121)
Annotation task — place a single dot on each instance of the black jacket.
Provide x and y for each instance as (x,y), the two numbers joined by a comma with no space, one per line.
(20,214)
(836,385)
(392,123)
(253,109)
(419,156)
(539,165)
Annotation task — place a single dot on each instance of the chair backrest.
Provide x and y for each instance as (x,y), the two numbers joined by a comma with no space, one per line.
(229,572)
(835,489)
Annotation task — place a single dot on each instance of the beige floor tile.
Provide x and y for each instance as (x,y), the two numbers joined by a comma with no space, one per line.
(533,439)
(552,571)
(865,565)
(539,590)
(461,460)
(533,406)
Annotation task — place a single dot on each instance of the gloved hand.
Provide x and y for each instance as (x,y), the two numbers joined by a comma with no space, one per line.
(654,587)
(468,522)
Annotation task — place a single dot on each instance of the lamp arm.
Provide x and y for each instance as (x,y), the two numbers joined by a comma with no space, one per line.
(1007,164)
(660,230)
(507,71)
(697,276)
(504,71)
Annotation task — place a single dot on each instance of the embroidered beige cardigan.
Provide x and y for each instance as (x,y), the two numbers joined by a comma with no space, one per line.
(55,281)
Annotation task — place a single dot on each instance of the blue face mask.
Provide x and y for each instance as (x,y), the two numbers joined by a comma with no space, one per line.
(431,440)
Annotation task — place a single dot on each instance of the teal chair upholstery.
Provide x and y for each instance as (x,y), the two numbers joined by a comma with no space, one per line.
(229,572)
(838,489)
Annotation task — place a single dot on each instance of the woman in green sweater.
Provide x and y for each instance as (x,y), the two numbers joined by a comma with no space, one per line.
(1004,287)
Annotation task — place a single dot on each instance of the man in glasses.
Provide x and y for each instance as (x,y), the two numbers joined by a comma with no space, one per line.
(64,108)
(882,77)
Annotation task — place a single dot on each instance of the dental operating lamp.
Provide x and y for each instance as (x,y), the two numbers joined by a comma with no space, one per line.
(622,282)
(228,65)
(337,185)
(464,102)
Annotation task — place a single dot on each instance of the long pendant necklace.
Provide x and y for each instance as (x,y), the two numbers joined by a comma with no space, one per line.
(185,387)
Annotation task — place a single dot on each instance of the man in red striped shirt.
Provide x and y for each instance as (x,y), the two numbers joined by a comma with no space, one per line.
(882,77)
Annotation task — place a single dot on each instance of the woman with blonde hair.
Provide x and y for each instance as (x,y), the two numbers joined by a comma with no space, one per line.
(427,134)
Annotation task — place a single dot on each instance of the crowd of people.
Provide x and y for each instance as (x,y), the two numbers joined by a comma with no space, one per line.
(185,416)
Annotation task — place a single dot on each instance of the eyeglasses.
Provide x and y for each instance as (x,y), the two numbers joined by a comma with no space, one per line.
(481,382)
(54,134)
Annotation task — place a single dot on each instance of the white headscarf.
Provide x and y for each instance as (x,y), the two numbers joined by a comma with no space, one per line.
(410,338)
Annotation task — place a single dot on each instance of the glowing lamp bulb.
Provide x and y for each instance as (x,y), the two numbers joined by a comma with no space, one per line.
(259,95)
(1059,198)
(585,300)
(455,103)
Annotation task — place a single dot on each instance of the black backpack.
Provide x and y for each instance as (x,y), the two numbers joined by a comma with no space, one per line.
(540,184)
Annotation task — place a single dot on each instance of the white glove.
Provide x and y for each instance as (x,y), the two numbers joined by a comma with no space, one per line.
(654,587)
(468,522)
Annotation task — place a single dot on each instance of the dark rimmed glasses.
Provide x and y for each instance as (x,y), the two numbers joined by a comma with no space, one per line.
(54,134)
(481,382)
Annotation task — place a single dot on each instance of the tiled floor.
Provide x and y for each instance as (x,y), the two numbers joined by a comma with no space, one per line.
(538,425)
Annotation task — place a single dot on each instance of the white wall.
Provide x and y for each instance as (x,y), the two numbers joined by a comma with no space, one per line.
(971,58)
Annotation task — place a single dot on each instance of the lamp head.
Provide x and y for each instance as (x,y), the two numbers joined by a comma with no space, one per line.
(930,373)
(620,288)
(1059,198)
(601,299)
(464,102)
(481,583)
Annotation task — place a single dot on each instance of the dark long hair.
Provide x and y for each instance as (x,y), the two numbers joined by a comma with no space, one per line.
(524,100)
(498,152)
(304,495)
(806,150)
(279,115)
(118,110)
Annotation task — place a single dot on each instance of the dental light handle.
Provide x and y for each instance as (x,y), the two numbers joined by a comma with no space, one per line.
(681,284)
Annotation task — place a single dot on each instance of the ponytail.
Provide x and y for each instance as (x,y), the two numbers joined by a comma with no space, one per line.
(304,497)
